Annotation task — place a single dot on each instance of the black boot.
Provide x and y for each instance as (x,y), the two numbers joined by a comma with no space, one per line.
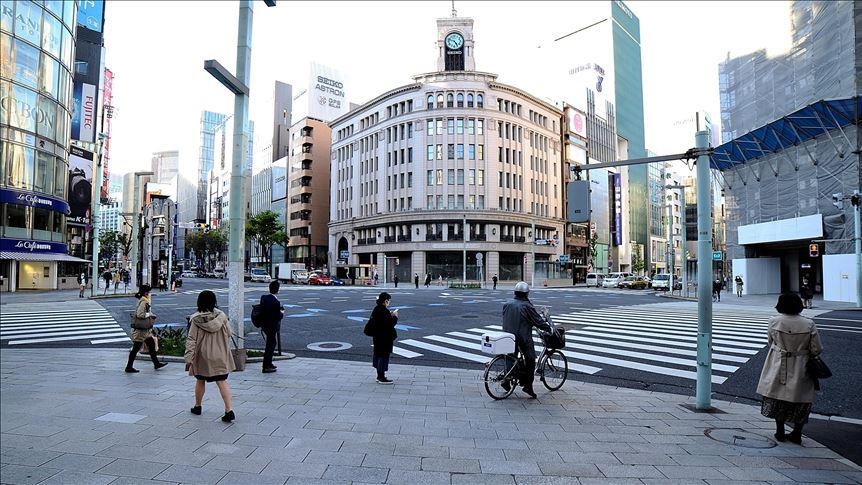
(779,431)
(795,436)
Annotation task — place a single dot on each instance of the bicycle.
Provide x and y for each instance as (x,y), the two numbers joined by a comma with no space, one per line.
(501,373)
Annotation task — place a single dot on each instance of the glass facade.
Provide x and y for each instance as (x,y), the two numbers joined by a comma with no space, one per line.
(37,44)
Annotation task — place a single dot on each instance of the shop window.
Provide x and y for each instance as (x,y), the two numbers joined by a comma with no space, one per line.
(44,173)
(42,224)
(17,217)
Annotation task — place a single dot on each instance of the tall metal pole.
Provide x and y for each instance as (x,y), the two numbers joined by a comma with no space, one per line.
(94,216)
(857,230)
(704,277)
(684,258)
(533,253)
(136,224)
(464,238)
(236,241)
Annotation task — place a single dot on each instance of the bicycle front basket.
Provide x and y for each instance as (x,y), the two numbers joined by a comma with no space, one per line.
(556,339)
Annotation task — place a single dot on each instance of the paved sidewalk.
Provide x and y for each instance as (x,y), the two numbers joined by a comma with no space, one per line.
(77,418)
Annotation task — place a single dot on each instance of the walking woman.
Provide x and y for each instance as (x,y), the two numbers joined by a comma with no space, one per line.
(787,390)
(738,282)
(383,324)
(208,356)
(142,330)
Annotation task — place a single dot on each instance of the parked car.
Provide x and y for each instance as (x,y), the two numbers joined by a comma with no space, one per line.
(260,275)
(595,279)
(300,277)
(188,274)
(219,273)
(634,282)
(319,279)
(336,281)
(613,280)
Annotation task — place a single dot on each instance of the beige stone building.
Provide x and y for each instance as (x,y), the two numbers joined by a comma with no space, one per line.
(453,164)
(308,192)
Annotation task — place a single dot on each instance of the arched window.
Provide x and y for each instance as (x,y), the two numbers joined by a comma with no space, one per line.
(469,100)
(430,101)
(439,100)
(450,100)
(480,102)
(460,99)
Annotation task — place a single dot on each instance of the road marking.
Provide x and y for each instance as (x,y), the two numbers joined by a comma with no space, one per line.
(79,320)
(446,350)
(64,339)
(405,353)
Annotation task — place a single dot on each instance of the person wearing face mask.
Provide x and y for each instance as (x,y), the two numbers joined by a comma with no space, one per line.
(383,323)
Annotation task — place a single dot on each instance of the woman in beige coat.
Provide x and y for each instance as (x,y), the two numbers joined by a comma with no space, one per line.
(143,313)
(787,390)
(208,356)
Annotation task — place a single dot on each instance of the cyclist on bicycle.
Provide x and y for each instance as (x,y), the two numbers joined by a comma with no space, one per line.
(519,318)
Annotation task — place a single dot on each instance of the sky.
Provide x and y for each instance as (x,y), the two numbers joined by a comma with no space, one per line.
(156,51)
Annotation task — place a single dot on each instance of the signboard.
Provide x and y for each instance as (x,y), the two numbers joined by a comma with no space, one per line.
(279,179)
(84,112)
(564,258)
(13,196)
(717,256)
(80,190)
(344,254)
(618,210)
(32,246)
(578,201)
(325,97)
(577,122)
(107,100)
(90,14)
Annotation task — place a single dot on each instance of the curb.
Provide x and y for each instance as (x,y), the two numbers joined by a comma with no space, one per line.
(181,360)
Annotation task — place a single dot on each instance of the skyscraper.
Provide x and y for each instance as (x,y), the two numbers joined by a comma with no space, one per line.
(210,121)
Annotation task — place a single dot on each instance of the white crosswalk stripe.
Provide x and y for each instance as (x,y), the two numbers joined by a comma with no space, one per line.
(79,320)
(659,339)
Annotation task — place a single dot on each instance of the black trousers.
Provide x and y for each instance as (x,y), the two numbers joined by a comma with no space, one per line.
(528,373)
(136,347)
(271,334)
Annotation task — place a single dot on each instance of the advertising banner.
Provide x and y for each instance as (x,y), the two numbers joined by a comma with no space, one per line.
(324,97)
(13,196)
(84,112)
(107,107)
(81,164)
(577,122)
(91,14)
(618,210)
(279,179)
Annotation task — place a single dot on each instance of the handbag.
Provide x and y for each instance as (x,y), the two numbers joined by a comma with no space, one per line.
(369,328)
(239,355)
(140,323)
(817,369)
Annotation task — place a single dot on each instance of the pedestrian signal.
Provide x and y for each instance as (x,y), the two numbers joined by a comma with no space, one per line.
(813,250)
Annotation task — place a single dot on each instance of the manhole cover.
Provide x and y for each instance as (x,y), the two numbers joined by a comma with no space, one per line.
(469,316)
(739,437)
(328,346)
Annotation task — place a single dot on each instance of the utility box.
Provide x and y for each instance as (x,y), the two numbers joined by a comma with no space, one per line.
(578,201)
(497,343)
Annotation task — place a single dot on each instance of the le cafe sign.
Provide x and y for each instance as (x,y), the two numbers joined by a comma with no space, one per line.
(34,200)
(31,246)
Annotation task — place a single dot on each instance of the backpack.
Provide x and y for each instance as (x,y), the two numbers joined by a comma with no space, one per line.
(257,315)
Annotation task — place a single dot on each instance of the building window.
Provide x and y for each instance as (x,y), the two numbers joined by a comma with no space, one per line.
(451,177)
(409,179)
(481,202)
(460,176)
(439,151)
(430,128)
(430,152)
(430,177)
(469,100)
(410,155)
(430,101)
(451,151)
(450,100)
(450,126)
(480,152)
(480,127)
(471,176)
(439,176)
(460,100)
(440,100)
(471,126)
(409,130)
(460,204)
(440,126)
(451,200)
(430,202)
(479,101)
(471,151)
(460,126)
(460,154)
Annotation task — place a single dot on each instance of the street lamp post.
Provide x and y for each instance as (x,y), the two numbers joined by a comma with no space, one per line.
(464,245)
(704,277)
(533,253)
(94,216)
(239,86)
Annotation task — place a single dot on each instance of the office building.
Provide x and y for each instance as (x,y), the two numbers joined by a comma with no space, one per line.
(452,166)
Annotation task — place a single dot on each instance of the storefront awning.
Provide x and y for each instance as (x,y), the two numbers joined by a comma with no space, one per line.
(27,256)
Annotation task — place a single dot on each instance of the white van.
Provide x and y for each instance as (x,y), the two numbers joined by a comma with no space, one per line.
(613,280)
(595,279)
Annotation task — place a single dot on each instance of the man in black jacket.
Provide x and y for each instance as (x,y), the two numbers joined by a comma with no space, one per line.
(273,312)
(519,318)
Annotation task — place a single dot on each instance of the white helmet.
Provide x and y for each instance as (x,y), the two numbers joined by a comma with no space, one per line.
(522,287)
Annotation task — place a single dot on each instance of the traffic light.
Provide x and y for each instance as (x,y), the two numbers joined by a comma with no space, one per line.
(813,250)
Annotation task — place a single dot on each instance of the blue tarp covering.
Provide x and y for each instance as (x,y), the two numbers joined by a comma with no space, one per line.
(812,121)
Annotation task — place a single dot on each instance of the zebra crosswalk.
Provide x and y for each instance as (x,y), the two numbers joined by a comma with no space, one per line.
(77,320)
(657,339)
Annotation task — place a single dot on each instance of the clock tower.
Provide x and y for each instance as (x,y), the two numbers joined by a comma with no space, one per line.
(455,44)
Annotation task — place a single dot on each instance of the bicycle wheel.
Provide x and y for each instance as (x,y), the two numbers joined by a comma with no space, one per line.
(499,376)
(554,370)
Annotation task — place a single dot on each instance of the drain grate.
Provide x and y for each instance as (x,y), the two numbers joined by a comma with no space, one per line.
(739,437)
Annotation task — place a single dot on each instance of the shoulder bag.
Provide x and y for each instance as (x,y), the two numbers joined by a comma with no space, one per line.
(140,323)
(817,369)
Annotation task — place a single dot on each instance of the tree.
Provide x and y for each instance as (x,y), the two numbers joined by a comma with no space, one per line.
(196,242)
(593,250)
(637,259)
(282,239)
(261,229)
(108,245)
(125,244)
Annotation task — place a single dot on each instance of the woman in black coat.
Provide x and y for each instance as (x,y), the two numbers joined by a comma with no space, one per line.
(383,324)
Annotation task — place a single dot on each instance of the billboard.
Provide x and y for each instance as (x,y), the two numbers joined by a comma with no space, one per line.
(618,210)
(279,179)
(107,114)
(324,96)
(84,112)
(577,122)
(91,14)
(80,190)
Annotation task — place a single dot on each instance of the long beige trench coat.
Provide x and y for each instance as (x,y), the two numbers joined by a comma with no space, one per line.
(793,339)
(208,345)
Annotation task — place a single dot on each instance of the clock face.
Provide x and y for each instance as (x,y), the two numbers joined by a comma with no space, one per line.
(454,41)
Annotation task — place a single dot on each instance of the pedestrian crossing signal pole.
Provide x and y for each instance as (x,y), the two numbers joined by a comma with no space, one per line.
(704,277)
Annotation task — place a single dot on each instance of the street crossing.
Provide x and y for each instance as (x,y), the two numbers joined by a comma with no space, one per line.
(77,320)
(654,338)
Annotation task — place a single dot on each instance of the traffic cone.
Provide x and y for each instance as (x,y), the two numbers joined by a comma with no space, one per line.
(545,283)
